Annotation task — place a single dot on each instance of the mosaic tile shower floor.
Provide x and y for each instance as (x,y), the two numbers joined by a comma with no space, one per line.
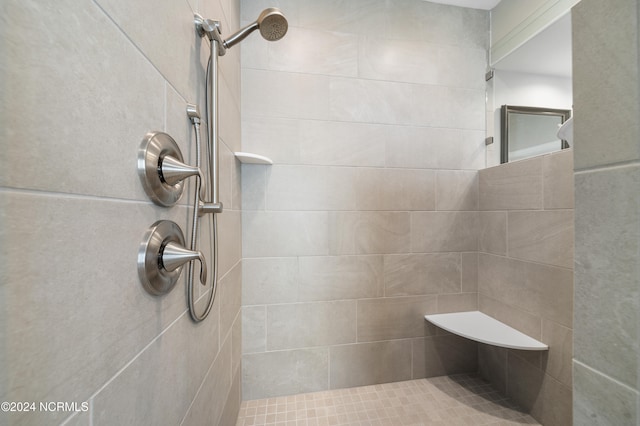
(463,399)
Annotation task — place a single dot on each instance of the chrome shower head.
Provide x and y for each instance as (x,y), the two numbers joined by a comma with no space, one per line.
(271,23)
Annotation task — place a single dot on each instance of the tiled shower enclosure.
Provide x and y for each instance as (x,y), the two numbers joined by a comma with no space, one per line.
(373,113)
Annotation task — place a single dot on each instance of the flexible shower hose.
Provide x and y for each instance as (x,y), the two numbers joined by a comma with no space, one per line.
(194,238)
(196,210)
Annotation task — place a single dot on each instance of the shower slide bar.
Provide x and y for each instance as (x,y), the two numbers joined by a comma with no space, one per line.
(162,171)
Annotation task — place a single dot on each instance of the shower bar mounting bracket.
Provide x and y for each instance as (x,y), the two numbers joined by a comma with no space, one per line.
(212,30)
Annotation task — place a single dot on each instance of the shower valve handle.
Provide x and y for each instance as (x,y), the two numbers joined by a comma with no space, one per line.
(172,171)
(174,255)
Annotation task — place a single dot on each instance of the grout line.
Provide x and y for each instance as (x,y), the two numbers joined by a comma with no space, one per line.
(265,329)
(135,46)
(412,342)
(329,367)
(542,204)
(611,379)
(135,357)
(608,167)
(91,412)
(166,106)
(84,197)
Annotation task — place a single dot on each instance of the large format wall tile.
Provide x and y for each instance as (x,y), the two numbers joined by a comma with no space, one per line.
(284,372)
(340,277)
(337,143)
(411,147)
(83,121)
(608,272)
(369,101)
(492,232)
(442,355)
(125,399)
(254,326)
(276,138)
(523,321)
(454,25)
(269,280)
(460,149)
(303,325)
(395,60)
(113,316)
(177,36)
(492,366)
(286,95)
(333,53)
(559,361)
(611,32)
(469,272)
(368,232)
(460,302)
(229,294)
(369,363)
(557,178)
(541,290)
(415,274)
(444,231)
(277,234)
(512,186)
(355,17)
(394,189)
(600,400)
(544,397)
(395,318)
(541,236)
(229,229)
(311,188)
(457,190)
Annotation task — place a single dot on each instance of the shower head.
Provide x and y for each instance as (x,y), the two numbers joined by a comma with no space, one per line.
(271,23)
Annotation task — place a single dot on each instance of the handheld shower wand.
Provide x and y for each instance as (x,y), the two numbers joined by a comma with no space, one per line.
(271,23)
(273,26)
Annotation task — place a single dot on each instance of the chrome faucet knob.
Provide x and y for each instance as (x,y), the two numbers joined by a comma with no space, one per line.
(173,171)
(161,256)
(174,256)
(162,170)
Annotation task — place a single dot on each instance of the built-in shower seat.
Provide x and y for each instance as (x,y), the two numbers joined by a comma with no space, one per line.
(482,328)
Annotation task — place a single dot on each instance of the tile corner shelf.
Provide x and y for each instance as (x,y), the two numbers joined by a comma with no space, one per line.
(248,158)
(482,328)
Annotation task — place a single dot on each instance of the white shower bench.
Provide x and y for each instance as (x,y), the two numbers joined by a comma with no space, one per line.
(482,328)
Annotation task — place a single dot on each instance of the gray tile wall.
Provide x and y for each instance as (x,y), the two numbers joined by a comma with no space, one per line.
(525,279)
(606,358)
(373,113)
(77,325)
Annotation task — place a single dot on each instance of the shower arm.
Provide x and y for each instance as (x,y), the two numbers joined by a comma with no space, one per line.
(240,35)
